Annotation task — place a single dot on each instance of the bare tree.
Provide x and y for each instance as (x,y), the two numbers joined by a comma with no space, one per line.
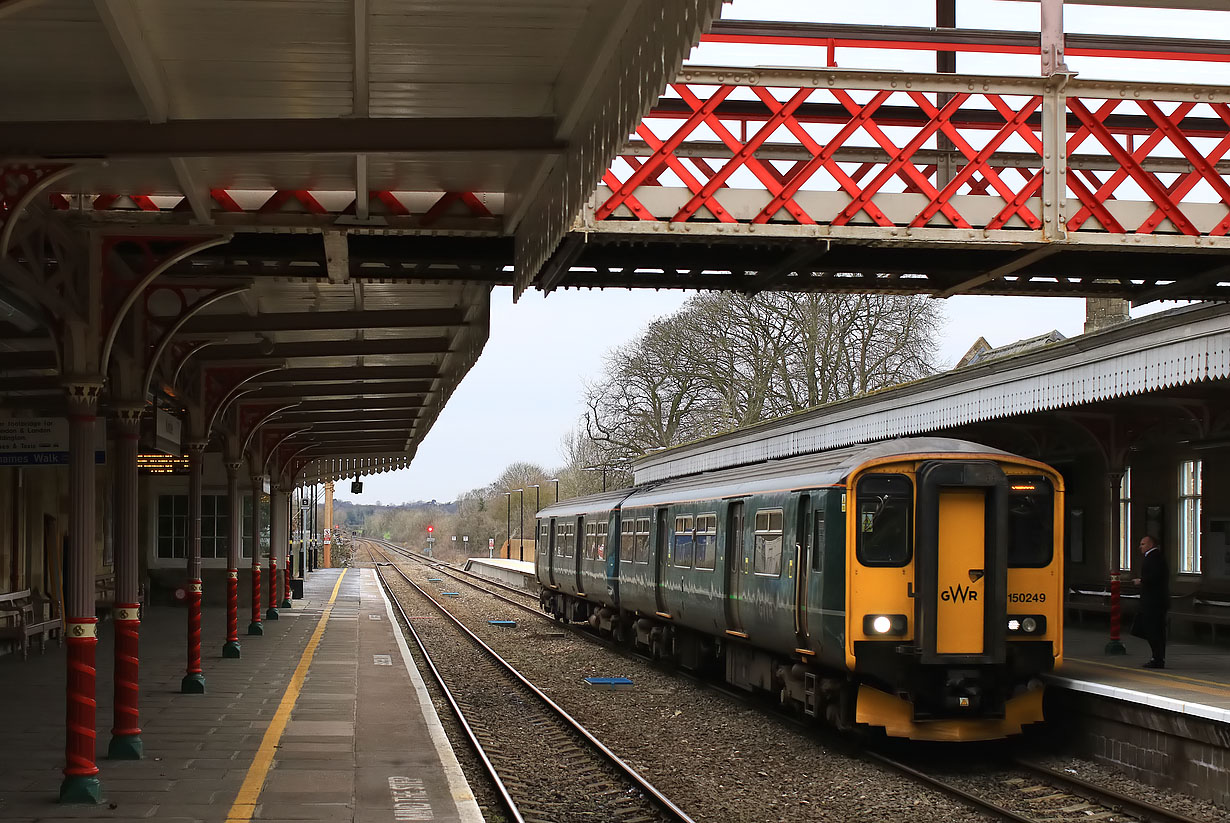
(726,360)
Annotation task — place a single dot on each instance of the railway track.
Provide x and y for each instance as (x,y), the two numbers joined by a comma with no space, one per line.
(1016,791)
(544,764)
(1024,792)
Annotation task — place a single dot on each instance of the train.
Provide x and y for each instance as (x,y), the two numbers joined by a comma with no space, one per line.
(912,586)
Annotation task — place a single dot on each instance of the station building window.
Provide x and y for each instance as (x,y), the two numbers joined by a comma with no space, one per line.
(768,548)
(683,542)
(705,548)
(1190,491)
(172,539)
(246,549)
(1125,519)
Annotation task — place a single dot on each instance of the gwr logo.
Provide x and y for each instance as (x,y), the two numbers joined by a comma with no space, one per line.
(959,592)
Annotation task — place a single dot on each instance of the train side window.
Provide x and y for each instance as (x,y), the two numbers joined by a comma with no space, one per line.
(683,542)
(587,548)
(1031,522)
(705,549)
(627,540)
(560,539)
(768,559)
(642,540)
(570,539)
(885,520)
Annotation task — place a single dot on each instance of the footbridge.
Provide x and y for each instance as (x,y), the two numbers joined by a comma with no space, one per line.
(732,177)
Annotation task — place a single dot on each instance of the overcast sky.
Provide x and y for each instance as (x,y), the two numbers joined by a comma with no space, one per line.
(526,390)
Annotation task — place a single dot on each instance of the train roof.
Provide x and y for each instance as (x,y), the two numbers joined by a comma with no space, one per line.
(590,503)
(806,471)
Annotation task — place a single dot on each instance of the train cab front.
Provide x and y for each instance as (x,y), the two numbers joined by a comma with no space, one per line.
(954,594)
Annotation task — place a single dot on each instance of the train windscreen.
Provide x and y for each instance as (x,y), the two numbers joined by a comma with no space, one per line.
(1031,522)
(885,519)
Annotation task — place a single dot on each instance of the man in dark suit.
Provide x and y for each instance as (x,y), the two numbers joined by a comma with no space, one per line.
(1154,582)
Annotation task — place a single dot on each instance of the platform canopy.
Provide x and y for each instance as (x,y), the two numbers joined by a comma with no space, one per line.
(338,151)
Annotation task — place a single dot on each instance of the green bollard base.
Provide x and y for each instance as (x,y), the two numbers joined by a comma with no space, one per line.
(125,747)
(231,649)
(271,613)
(1115,647)
(286,604)
(81,790)
(255,629)
(192,684)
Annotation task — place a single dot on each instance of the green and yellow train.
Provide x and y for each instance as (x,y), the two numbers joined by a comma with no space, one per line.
(912,585)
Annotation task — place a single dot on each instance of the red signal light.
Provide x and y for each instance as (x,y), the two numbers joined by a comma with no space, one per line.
(431,529)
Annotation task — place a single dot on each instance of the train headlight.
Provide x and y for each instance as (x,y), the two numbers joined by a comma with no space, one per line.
(885,625)
(1033,624)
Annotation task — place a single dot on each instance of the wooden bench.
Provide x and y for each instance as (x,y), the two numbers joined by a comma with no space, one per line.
(27,616)
(1194,607)
(1203,608)
(104,594)
(1082,601)
(105,600)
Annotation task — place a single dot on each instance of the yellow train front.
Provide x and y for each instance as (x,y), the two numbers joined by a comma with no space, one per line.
(954,592)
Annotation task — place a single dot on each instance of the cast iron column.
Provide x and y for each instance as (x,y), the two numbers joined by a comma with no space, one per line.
(234,539)
(289,500)
(255,628)
(80,783)
(277,542)
(194,680)
(125,731)
(1114,645)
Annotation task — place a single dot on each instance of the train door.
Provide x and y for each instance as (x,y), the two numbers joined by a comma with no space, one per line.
(961,563)
(962,547)
(583,543)
(803,549)
(735,560)
(551,552)
(662,566)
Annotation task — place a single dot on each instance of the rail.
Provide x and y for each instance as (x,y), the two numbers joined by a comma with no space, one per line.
(657,798)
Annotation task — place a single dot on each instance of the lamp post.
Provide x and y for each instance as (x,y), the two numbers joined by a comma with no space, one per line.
(508,520)
(555,480)
(520,527)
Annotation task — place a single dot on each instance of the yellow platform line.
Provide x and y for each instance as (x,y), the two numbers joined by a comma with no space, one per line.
(1220,690)
(249,793)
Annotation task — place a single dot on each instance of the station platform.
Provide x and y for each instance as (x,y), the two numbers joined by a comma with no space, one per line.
(323,718)
(1196,680)
(519,573)
(1165,727)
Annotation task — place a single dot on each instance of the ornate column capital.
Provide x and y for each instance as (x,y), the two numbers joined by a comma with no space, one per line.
(197,446)
(82,395)
(128,419)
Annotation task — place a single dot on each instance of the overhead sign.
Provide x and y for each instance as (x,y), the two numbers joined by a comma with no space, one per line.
(43,441)
(168,433)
